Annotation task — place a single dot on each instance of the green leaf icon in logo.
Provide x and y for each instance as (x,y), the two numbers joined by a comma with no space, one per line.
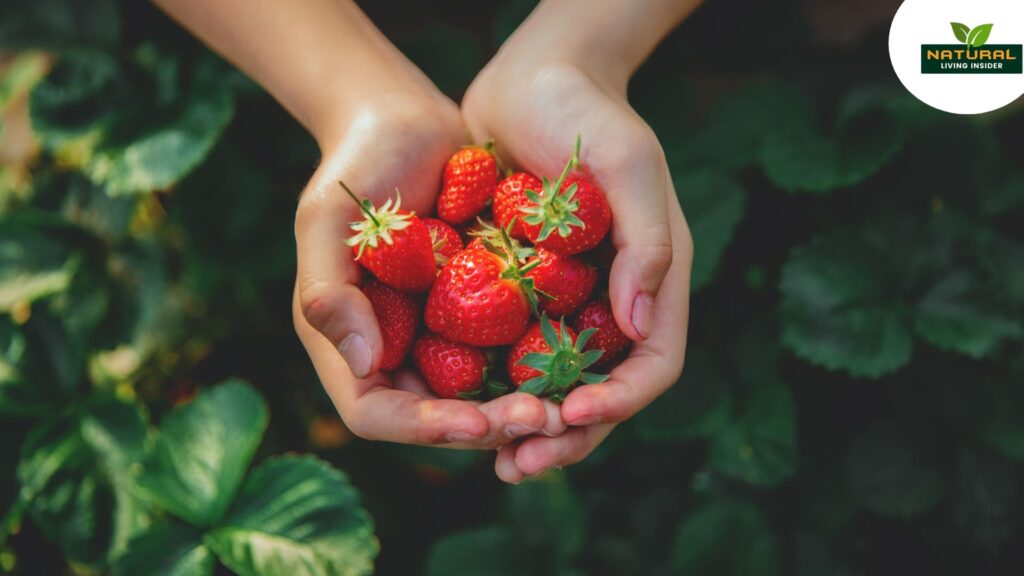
(979,35)
(961,31)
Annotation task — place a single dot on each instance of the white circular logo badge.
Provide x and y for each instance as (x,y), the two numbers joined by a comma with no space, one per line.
(960,56)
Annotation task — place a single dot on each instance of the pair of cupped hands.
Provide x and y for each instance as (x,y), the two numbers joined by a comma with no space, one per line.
(398,133)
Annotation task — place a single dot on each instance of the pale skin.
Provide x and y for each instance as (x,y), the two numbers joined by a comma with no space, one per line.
(381,124)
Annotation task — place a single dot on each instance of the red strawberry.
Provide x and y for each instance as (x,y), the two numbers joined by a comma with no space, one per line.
(549,362)
(398,315)
(566,279)
(482,297)
(393,244)
(597,315)
(568,216)
(510,197)
(446,240)
(484,232)
(452,370)
(469,180)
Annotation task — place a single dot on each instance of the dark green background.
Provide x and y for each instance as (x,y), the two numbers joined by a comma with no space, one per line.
(853,399)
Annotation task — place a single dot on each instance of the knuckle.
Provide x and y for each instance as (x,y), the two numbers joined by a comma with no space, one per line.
(315,305)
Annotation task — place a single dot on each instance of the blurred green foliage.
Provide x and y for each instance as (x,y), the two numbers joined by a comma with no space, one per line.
(853,400)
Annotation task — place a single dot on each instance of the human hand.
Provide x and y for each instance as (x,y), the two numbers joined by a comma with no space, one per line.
(390,142)
(533,107)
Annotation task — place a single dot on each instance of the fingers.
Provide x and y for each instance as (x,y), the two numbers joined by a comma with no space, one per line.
(537,454)
(637,187)
(505,465)
(655,363)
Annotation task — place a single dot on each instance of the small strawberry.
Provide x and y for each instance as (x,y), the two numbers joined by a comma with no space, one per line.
(550,362)
(393,244)
(398,315)
(468,184)
(510,197)
(597,315)
(566,281)
(568,216)
(482,297)
(452,370)
(446,240)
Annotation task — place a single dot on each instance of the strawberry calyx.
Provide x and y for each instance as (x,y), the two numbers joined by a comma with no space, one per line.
(502,238)
(517,262)
(564,366)
(438,243)
(378,224)
(552,208)
(490,389)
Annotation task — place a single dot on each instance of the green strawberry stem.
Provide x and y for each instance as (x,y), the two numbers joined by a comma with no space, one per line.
(563,367)
(365,205)
(553,208)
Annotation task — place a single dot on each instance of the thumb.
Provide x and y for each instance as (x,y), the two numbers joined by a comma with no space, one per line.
(642,238)
(329,298)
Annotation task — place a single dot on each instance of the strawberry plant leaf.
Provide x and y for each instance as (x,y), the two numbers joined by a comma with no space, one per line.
(202,452)
(296,515)
(893,469)
(698,405)
(549,515)
(486,551)
(979,35)
(704,543)
(714,205)
(956,314)
(760,446)
(167,549)
(33,263)
(960,31)
(840,308)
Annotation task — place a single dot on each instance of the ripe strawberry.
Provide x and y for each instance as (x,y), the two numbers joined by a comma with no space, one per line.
(482,297)
(549,362)
(597,315)
(393,244)
(398,315)
(510,197)
(468,184)
(484,232)
(568,216)
(452,370)
(446,240)
(567,280)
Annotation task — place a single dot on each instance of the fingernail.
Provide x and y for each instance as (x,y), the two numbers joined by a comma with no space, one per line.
(516,430)
(643,307)
(585,420)
(355,351)
(460,436)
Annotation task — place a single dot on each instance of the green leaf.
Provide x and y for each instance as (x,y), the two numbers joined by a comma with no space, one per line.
(19,394)
(698,405)
(960,31)
(725,538)
(956,314)
(760,446)
(296,515)
(801,159)
(167,549)
(549,516)
(841,306)
(33,263)
(979,35)
(893,469)
(714,205)
(486,551)
(202,452)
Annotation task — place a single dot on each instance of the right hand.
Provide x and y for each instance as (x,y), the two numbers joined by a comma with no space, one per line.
(392,141)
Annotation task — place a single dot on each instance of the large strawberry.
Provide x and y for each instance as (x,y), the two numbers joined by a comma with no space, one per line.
(564,281)
(468,184)
(510,197)
(482,297)
(597,315)
(567,216)
(398,315)
(446,240)
(393,244)
(451,369)
(550,362)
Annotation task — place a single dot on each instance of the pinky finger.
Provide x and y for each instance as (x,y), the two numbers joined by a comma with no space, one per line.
(537,454)
(505,464)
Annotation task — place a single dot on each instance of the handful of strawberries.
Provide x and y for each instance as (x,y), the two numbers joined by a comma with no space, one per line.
(519,287)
